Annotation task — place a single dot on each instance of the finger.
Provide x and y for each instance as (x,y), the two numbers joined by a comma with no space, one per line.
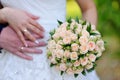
(35,30)
(32,44)
(36,24)
(28,34)
(20,35)
(32,16)
(36,36)
(31,50)
(24,56)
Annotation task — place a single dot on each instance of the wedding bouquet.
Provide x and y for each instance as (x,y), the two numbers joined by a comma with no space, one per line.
(74,47)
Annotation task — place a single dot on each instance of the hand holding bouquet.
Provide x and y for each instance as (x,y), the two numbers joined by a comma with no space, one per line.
(74,47)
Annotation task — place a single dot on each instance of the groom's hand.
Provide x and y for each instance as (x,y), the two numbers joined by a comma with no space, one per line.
(10,42)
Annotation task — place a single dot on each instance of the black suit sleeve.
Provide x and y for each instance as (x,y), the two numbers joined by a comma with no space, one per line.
(2,26)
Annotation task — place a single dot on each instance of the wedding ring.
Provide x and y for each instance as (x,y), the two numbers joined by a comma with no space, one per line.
(21,48)
(25,30)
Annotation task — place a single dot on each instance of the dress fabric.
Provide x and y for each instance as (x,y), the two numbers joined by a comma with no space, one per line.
(15,68)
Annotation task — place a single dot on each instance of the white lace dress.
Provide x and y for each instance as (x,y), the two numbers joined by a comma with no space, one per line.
(15,68)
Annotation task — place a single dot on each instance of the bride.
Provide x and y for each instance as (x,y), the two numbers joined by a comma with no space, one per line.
(30,22)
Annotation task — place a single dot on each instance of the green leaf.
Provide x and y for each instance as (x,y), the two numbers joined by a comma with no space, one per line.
(89,28)
(69,20)
(84,73)
(52,32)
(49,54)
(60,22)
(105,42)
(76,75)
(92,33)
(84,23)
(68,27)
(51,65)
(90,70)
(77,19)
(61,73)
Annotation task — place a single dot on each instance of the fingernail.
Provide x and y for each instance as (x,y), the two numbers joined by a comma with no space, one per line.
(39,51)
(37,42)
(26,45)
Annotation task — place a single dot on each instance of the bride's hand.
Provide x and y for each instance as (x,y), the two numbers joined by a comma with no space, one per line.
(23,23)
(10,42)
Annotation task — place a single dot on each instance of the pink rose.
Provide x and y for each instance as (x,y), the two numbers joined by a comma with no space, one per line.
(67,40)
(75,47)
(67,54)
(73,37)
(63,67)
(59,53)
(92,57)
(85,33)
(84,49)
(89,66)
(74,56)
(70,71)
(91,45)
(76,63)
(83,61)
(53,60)
(64,24)
(78,71)
(83,40)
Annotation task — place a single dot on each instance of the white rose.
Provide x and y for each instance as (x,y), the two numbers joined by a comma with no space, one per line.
(89,66)
(72,25)
(63,67)
(79,29)
(73,37)
(56,36)
(59,53)
(93,27)
(64,24)
(83,40)
(58,46)
(67,40)
(83,61)
(92,57)
(51,44)
(78,71)
(97,32)
(75,47)
(60,42)
(62,34)
(91,45)
(68,32)
(53,60)
(84,49)
(70,71)
(74,56)
(84,27)
(100,42)
(99,54)
(100,45)
(67,54)
(76,63)
(85,33)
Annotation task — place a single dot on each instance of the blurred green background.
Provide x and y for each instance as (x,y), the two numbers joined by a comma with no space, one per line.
(109,25)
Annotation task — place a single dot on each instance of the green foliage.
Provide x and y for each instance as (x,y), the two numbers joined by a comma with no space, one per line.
(108,16)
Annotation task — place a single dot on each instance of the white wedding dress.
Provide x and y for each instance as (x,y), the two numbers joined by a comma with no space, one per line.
(15,68)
